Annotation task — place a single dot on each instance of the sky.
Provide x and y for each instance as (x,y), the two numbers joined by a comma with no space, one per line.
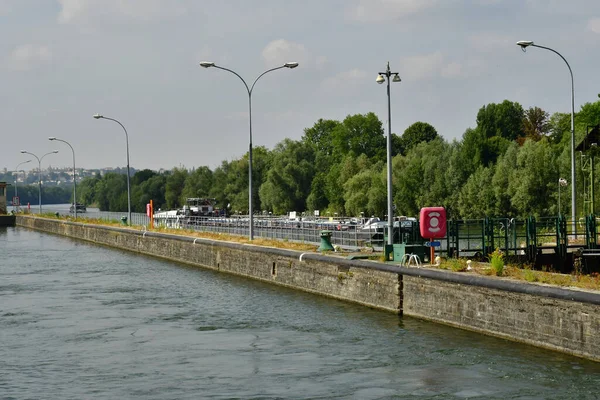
(137,61)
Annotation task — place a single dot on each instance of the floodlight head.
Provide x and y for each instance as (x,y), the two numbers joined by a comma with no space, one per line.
(54,152)
(396,78)
(562,182)
(380,79)
(98,116)
(290,65)
(23,151)
(524,44)
(207,64)
(51,138)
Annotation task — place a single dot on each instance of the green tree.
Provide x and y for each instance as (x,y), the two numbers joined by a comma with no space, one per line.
(503,175)
(111,192)
(153,189)
(536,123)
(231,181)
(218,189)
(417,133)
(142,176)
(560,127)
(86,189)
(317,199)
(533,183)
(288,181)
(455,175)
(504,120)
(419,178)
(320,135)
(366,191)
(588,115)
(476,198)
(198,183)
(174,188)
(359,134)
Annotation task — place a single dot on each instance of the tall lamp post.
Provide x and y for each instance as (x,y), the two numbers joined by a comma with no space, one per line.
(98,116)
(39,173)
(16,180)
(524,44)
(74,179)
(291,65)
(380,79)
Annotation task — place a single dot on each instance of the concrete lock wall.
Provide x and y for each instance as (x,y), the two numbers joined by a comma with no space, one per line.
(555,318)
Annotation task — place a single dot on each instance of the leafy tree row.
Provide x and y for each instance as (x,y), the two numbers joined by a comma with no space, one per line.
(507,165)
(50,194)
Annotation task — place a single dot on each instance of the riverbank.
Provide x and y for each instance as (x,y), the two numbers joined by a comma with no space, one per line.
(561,319)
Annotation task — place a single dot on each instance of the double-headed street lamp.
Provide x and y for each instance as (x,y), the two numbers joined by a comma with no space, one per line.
(524,44)
(98,116)
(39,173)
(16,180)
(380,79)
(291,65)
(74,179)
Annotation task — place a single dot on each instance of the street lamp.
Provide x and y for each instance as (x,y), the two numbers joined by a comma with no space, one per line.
(561,182)
(98,116)
(290,65)
(380,79)
(74,179)
(39,173)
(16,180)
(524,44)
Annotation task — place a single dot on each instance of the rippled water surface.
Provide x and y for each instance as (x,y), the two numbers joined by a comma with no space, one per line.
(79,321)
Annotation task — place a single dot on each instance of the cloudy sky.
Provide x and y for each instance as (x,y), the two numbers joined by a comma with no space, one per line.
(61,61)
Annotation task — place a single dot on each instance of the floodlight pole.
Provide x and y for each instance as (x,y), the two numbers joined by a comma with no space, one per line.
(380,79)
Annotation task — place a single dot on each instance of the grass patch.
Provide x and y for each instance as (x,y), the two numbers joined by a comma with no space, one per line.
(454,264)
(497,262)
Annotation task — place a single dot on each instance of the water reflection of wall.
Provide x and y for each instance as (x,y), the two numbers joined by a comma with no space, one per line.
(2,197)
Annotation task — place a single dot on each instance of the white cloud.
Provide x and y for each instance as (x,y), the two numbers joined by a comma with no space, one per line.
(490,42)
(451,70)
(385,10)
(594,25)
(204,54)
(561,7)
(346,79)
(429,66)
(28,56)
(280,51)
(83,11)
(422,66)
(5,8)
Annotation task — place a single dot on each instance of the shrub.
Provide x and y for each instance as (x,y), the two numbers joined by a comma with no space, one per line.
(455,264)
(497,261)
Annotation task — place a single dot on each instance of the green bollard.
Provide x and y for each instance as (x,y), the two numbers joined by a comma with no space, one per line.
(326,241)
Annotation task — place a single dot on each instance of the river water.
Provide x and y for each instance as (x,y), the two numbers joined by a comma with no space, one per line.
(79,321)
